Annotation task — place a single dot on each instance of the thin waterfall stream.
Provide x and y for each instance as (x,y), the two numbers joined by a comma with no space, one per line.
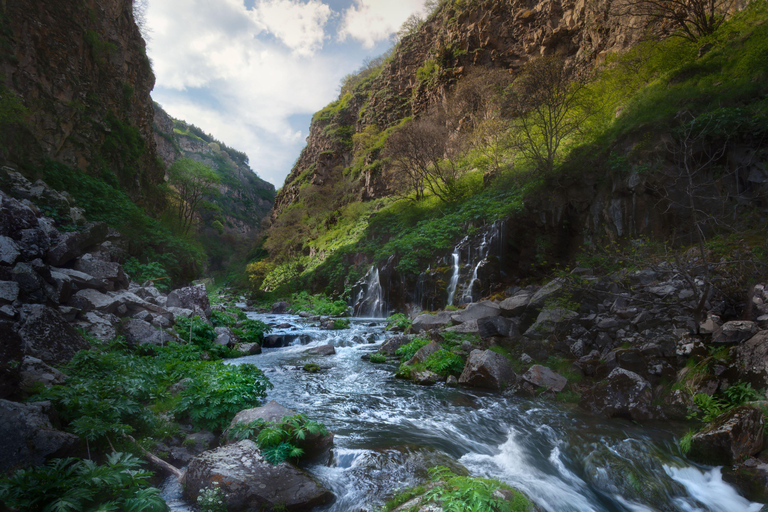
(387,430)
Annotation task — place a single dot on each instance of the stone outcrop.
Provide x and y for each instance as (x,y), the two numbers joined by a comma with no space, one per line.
(250,483)
(48,336)
(487,369)
(624,394)
(427,322)
(731,438)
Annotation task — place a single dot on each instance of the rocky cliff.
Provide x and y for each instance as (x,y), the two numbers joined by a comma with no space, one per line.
(427,64)
(243,198)
(81,72)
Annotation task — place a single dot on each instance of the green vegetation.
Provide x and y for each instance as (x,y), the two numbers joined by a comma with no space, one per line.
(211,499)
(377,358)
(711,407)
(340,323)
(399,321)
(279,441)
(408,350)
(192,181)
(83,486)
(317,304)
(252,331)
(445,363)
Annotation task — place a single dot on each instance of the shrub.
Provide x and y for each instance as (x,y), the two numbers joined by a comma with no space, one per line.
(340,323)
(82,485)
(218,392)
(399,321)
(278,441)
(408,350)
(221,319)
(196,331)
(377,358)
(152,271)
(460,493)
(445,363)
(211,499)
(252,331)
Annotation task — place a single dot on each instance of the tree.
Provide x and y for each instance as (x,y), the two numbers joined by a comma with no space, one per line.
(420,153)
(545,103)
(192,181)
(695,18)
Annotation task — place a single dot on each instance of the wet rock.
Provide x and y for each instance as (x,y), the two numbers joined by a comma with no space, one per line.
(476,311)
(322,350)
(109,273)
(622,394)
(251,483)
(139,332)
(191,297)
(35,373)
(425,377)
(280,308)
(497,326)
(28,436)
(48,336)
(515,305)
(731,438)
(542,377)
(390,346)
(750,478)
(427,322)
(487,369)
(549,322)
(284,340)
(734,332)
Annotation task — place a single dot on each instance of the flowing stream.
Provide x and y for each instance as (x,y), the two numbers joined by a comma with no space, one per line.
(387,430)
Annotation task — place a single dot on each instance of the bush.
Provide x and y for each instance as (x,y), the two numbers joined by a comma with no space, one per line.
(82,485)
(460,493)
(152,271)
(445,363)
(278,441)
(399,321)
(340,323)
(211,499)
(377,358)
(196,331)
(218,392)
(408,350)
(252,331)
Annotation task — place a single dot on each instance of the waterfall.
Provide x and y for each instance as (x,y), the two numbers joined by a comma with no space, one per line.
(370,301)
(482,254)
(454,277)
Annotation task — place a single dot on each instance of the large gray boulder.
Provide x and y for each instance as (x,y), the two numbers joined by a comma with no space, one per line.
(252,484)
(80,280)
(48,336)
(35,373)
(497,326)
(109,273)
(546,293)
(9,251)
(28,436)
(542,377)
(752,359)
(427,322)
(72,245)
(731,438)
(191,297)
(622,394)
(322,350)
(734,332)
(549,322)
(477,310)
(516,304)
(468,327)
(423,353)
(390,346)
(139,332)
(102,326)
(487,369)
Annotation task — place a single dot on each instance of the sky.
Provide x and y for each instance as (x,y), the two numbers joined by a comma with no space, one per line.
(252,72)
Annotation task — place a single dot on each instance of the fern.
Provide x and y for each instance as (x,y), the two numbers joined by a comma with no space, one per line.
(278,441)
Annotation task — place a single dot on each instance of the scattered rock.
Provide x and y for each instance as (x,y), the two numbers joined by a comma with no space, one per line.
(487,369)
(322,350)
(542,377)
(280,308)
(109,273)
(139,332)
(623,394)
(731,438)
(734,332)
(48,336)
(35,373)
(476,311)
(468,327)
(497,326)
(516,304)
(427,322)
(191,297)
(423,353)
(390,346)
(549,322)
(249,482)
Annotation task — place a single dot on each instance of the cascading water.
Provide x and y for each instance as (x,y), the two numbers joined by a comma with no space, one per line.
(388,430)
(370,302)
(454,278)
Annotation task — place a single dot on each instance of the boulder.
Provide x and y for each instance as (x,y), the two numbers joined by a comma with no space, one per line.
(468,327)
(317,446)
(109,273)
(516,304)
(35,373)
(551,290)
(497,326)
(322,350)
(487,369)
(423,353)
(542,377)
(280,308)
(731,438)
(11,354)
(94,300)
(390,346)
(9,251)
(32,287)
(283,340)
(476,311)
(198,442)
(15,216)
(425,377)
(9,291)
(63,285)
(734,332)
(752,360)
(191,297)
(80,280)
(102,326)
(549,322)
(33,242)
(139,332)
(249,483)
(427,322)
(622,394)
(72,245)
(28,436)
(48,336)
(225,337)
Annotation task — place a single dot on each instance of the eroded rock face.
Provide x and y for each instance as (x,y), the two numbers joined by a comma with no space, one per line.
(487,369)
(252,484)
(428,322)
(731,438)
(28,436)
(623,394)
(47,335)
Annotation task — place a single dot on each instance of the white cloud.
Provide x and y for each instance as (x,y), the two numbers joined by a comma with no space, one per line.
(299,25)
(372,21)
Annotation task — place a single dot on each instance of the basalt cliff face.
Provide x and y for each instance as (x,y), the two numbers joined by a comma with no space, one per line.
(81,72)
(459,36)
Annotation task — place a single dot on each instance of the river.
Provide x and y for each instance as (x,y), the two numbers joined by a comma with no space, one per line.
(387,430)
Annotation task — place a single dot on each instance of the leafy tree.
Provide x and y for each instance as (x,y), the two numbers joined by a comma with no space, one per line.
(545,102)
(192,181)
(695,18)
